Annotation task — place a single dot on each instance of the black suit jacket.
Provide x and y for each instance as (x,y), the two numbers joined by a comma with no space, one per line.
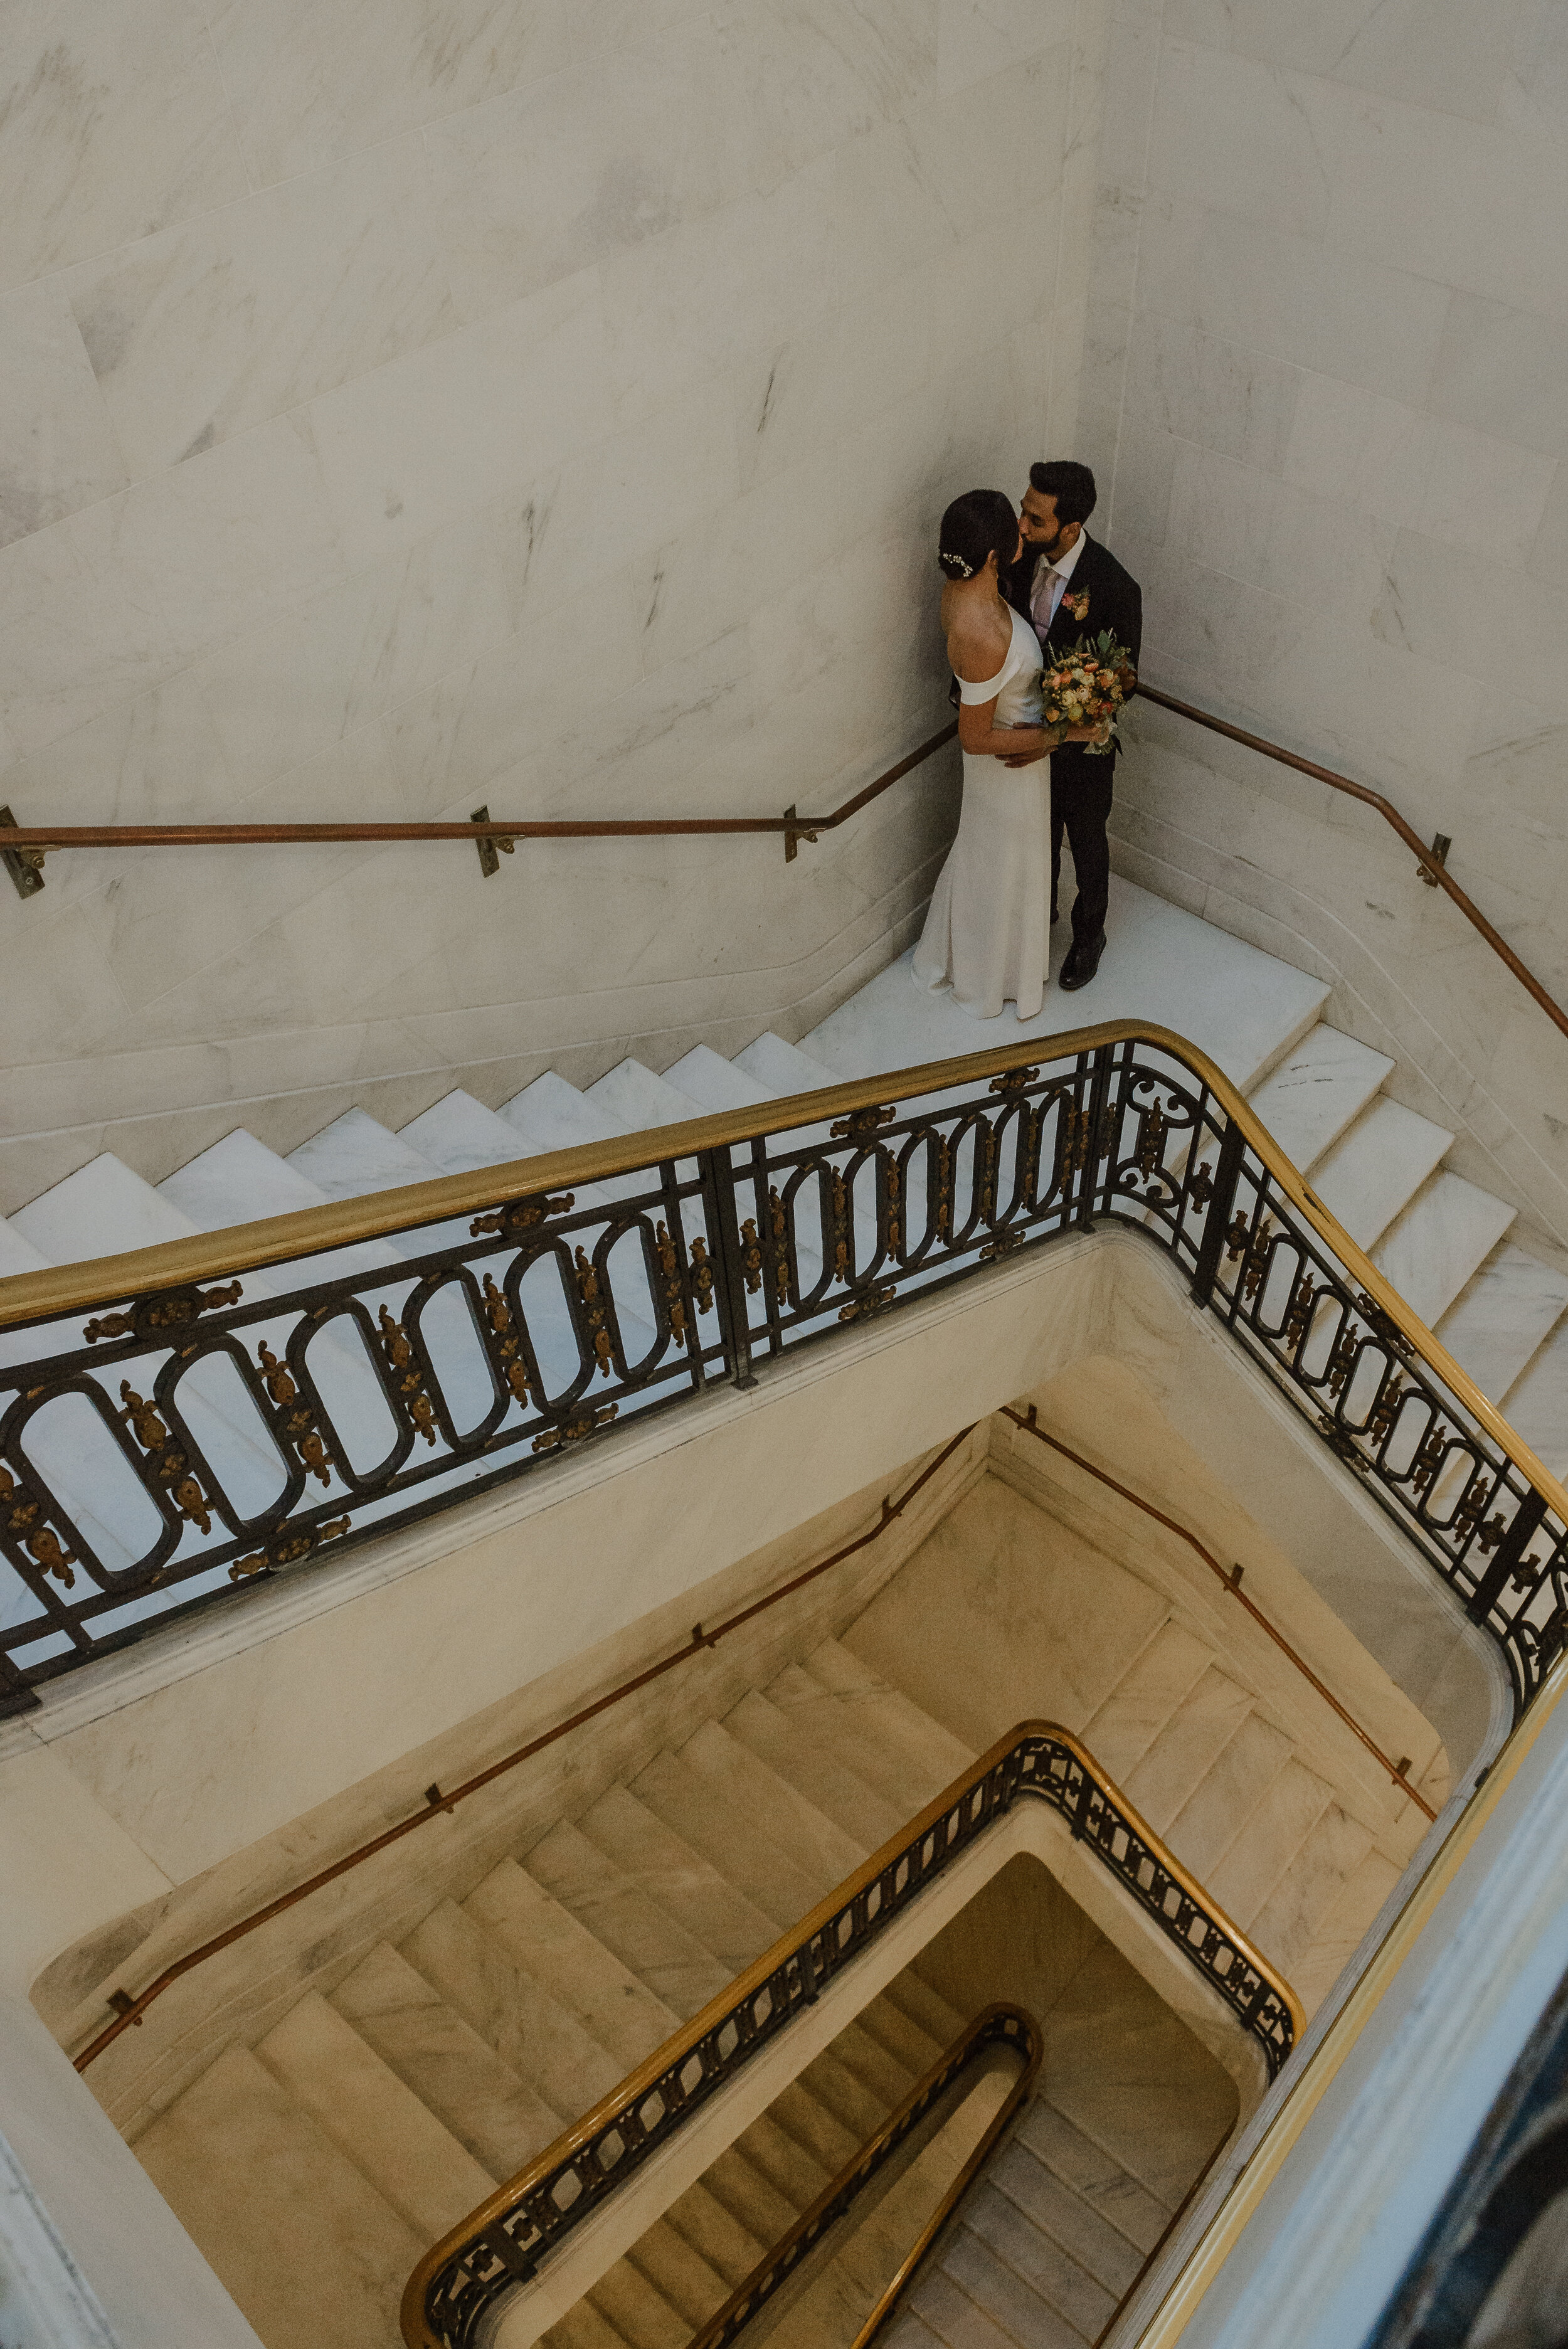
(1115,602)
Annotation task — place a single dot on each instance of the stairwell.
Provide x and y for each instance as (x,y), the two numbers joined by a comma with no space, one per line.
(314,2168)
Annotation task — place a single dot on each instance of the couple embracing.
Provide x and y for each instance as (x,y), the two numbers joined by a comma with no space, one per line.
(1021,590)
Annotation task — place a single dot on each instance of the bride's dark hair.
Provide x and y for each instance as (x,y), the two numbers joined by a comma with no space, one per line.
(979,523)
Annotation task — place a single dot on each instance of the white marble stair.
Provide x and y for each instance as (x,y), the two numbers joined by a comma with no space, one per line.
(1043,2249)
(376,2112)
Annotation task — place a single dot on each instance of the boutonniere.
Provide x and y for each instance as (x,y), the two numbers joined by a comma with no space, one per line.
(1078,605)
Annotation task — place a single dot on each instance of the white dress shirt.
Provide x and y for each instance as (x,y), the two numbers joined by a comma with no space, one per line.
(1049,586)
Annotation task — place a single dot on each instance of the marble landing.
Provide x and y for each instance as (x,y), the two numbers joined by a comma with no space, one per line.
(1242,1007)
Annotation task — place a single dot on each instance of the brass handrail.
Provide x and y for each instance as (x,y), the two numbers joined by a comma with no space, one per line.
(241,1248)
(1431,862)
(1028,1423)
(23,847)
(1002,2024)
(641,2083)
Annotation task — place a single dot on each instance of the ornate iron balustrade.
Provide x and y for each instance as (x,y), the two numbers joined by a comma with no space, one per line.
(995,2026)
(234,1404)
(457,2284)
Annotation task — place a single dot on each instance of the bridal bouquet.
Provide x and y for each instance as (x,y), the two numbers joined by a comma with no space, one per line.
(1088,684)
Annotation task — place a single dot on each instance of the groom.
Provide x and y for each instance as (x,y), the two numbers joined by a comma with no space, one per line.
(1068,586)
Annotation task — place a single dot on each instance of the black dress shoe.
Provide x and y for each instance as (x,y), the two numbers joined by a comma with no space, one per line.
(1082,962)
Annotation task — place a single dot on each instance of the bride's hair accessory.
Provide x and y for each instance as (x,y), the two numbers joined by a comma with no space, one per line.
(980,523)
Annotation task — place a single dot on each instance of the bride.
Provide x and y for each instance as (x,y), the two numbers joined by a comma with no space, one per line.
(987,936)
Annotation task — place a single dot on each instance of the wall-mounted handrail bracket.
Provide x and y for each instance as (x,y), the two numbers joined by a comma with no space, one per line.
(491,846)
(25,866)
(794,833)
(1428,870)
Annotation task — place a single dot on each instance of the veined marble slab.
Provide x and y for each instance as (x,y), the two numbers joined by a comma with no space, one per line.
(551,1114)
(1377,1167)
(103,1210)
(714,1082)
(1498,1320)
(239,1181)
(459,1134)
(1448,1230)
(782,1068)
(636,1094)
(356,1154)
(1537,1405)
(1242,1007)
(1311,1096)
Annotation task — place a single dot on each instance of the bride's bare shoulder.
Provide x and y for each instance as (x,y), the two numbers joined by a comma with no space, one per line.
(975,647)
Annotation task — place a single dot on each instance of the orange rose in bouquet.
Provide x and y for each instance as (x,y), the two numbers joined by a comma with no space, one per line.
(1087,686)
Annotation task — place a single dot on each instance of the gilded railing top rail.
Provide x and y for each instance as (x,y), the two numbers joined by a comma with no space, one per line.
(641,2082)
(175,1263)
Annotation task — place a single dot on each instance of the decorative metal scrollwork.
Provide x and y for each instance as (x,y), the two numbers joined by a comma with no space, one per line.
(522,1216)
(163,1313)
(167,1460)
(233,1410)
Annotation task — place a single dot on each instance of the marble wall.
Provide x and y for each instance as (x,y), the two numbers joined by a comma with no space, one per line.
(1326,388)
(541,402)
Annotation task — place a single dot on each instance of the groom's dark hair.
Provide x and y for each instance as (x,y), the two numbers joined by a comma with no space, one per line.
(1071,485)
(980,523)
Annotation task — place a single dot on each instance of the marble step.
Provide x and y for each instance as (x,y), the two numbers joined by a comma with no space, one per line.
(551,1114)
(636,2311)
(815,1771)
(729,1837)
(873,2239)
(847,1729)
(250,2175)
(931,1753)
(18,1253)
(914,2048)
(1226,1796)
(459,1134)
(914,1996)
(436,2052)
(740,2180)
(662,1865)
(1503,1316)
(714,2232)
(1244,1008)
(583,2327)
(1537,1403)
(640,1098)
(1131,1715)
(817,1844)
(1317,1091)
(1439,1241)
(579,1971)
(679,2274)
(355,1155)
(540,2039)
(783,1068)
(1342,1928)
(240,1181)
(1286,1924)
(1377,1167)
(1268,1841)
(620,1915)
(374,2118)
(1168,1775)
(716,1083)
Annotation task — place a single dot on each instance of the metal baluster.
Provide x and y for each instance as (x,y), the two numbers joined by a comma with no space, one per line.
(1221,1199)
(729,1288)
(1098,1103)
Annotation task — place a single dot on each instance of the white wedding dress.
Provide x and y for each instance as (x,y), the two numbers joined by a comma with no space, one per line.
(987,934)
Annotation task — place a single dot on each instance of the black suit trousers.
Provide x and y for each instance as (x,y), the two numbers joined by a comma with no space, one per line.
(1080,805)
